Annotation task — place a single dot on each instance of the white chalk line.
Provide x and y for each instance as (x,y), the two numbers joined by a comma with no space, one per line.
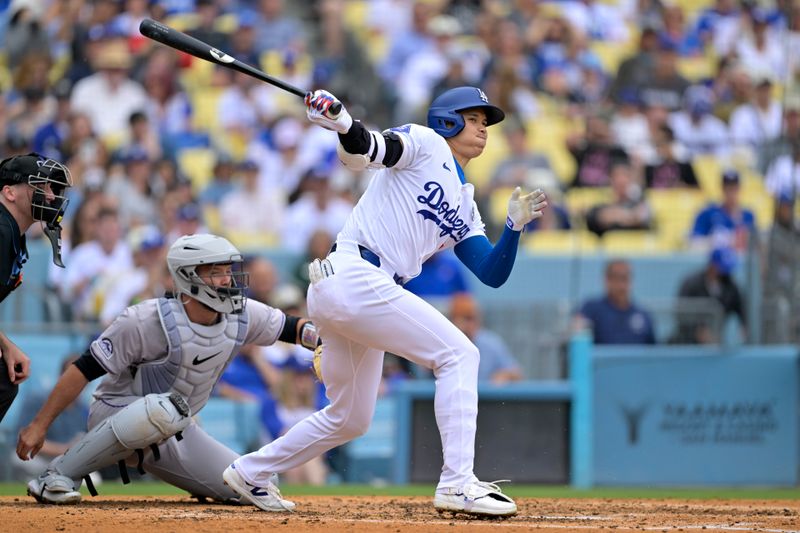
(488,522)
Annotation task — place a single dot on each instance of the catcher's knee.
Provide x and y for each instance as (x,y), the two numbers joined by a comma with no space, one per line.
(150,420)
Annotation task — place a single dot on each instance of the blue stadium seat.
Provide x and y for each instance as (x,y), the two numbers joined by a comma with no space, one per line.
(234,424)
(369,457)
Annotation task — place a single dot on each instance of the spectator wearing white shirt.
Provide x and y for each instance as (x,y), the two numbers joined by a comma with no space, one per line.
(109,97)
(783,175)
(761,48)
(696,128)
(245,105)
(596,20)
(128,287)
(756,123)
(93,259)
(317,208)
(251,210)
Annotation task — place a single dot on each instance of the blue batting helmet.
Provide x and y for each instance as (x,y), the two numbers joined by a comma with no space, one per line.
(444,117)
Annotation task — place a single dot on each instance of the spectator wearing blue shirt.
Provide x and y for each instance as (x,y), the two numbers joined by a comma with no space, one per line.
(727,224)
(442,276)
(614,318)
(497,364)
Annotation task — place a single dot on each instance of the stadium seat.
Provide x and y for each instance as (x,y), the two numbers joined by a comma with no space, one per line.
(674,211)
(709,174)
(252,241)
(198,165)
(481,169)
(226,23)
(696,69)
(237,425)
(580,199)
(369,457)
(561,242)
(182,21)
(633,242)
(205,102)
(611,54)
(548,134)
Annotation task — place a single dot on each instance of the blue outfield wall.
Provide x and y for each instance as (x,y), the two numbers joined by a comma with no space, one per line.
(685,416)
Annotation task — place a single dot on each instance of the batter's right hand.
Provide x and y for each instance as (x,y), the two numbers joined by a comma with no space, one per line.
(30,441)
(318,106)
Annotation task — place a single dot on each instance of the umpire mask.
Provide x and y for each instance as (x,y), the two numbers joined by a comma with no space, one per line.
(39,172)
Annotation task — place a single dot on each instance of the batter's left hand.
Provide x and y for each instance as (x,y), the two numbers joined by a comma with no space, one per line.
(522,209)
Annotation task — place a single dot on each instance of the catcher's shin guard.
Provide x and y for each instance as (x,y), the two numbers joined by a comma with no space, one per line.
(145,422)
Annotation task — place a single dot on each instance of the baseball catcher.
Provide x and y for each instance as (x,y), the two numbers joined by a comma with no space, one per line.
(160,360)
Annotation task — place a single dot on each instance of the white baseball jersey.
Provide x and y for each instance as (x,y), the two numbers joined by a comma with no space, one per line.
(415,208)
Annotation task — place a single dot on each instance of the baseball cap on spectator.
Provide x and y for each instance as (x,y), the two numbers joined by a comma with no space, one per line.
(287,296)
(286,133)
(724,259)
(444,26)
(190,211)
(730,177)
(247,19)
(145,238)
(667,43)
(698,100)
(248,165)
(135,154)
(785,196)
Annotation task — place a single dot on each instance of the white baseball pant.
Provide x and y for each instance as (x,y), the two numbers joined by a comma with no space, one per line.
(361,313)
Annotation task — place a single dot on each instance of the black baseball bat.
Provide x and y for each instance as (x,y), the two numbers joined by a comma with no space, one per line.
(186,43)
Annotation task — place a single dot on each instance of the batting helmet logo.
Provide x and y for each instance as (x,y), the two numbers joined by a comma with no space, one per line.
(444,115)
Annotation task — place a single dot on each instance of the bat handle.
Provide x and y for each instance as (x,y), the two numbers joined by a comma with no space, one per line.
(333,110)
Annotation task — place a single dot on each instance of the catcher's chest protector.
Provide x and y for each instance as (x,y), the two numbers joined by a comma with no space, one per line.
(196,356)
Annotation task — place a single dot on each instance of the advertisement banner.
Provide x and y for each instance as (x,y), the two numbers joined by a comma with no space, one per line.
(695,416)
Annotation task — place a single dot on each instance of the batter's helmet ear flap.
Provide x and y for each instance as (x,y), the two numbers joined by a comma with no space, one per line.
(444,115)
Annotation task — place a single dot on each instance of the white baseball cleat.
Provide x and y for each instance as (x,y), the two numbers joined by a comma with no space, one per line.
(53,488)
(478,498)
(267,498)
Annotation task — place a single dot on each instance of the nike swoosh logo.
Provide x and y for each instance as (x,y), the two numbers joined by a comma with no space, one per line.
(446,167)
(197,361)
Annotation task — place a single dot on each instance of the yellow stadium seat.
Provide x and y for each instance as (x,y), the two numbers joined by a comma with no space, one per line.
(481,169)
(272,61)
(252,241)
(498,204)
(198,165)
(198,75)
(709,174)
(634,242)
(548,134)
(182,21)
(696,68)
(212,219)
(561,242)
(611,54)
(205,115)
(580,199)
(227,23)
(674,211)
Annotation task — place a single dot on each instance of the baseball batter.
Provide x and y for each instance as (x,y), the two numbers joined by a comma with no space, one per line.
(417,203)
(161,359)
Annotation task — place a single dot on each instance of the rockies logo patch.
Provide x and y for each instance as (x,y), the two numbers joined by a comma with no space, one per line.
(106,347)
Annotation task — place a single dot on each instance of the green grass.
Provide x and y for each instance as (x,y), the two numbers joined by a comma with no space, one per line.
(519,491)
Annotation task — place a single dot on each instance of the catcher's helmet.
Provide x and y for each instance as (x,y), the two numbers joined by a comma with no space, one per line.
(39,172)
(191,251)
(444,117)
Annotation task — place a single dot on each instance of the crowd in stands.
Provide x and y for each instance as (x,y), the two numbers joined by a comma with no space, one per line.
(677,120)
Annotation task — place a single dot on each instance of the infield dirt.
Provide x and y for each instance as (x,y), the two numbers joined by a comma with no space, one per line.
(390,514)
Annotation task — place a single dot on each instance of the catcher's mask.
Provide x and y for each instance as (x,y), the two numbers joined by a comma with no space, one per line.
(226,292)
(46,177)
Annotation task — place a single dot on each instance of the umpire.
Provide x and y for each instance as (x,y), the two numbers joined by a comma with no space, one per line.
(32,188)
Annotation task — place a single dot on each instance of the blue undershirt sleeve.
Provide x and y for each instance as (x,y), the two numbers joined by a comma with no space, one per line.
(491,264)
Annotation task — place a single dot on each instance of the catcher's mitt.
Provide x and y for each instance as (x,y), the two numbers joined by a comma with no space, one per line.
(318,362)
